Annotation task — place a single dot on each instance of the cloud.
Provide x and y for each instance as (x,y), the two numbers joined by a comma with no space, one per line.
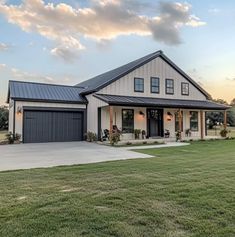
(4,47)
(17,74)
(20,75)
(214,11)
(102,20)
(230,79)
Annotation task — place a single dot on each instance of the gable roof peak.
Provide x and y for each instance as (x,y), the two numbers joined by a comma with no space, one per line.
(98,82)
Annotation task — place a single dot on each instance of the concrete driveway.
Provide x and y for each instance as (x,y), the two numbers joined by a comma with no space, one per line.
(25,156)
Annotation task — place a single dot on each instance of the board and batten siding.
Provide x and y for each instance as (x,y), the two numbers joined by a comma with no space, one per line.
(155,68)
(92,112)
(21,104)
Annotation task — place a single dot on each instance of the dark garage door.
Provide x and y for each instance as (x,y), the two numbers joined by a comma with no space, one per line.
(52,126)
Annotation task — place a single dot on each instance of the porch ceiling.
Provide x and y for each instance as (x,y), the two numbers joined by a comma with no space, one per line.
(159,102)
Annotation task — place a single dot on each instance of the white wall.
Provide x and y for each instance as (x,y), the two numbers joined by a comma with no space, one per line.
(92,113)
(19,116)
(11,115)
(155,68)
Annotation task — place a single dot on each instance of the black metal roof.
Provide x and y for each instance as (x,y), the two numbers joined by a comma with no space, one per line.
(32,91)
(158,102)
(98,82)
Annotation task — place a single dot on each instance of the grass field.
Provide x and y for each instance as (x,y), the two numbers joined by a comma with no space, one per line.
(3,135)
(184,191)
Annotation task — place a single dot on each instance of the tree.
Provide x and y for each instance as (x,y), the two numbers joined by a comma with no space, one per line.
(218,117)
(221,101)
(232,102)
(4,114)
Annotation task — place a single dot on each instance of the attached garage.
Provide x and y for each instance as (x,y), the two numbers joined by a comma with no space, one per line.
(52,126)
(47,113)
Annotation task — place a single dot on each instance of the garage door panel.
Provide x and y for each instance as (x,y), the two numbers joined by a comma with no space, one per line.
(52,126)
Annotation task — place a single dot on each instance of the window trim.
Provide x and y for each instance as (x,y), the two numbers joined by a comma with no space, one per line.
(194,130)
(142,91)
(169,93)
(133,111)
(151,86)
(184,83)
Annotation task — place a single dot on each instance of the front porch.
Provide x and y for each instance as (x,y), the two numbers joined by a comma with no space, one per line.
(154,124)
(155,118)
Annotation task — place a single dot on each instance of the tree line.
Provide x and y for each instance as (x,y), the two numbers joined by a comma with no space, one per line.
(214,118)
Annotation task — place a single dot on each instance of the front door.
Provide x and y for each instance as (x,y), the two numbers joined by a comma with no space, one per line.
(155,122)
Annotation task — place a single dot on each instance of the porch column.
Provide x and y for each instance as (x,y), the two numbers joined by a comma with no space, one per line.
(180,123)
(225,119)
(202,124)
(110,121)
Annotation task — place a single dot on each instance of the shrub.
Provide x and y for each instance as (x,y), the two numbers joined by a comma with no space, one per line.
(178,135)
(128,143)
(144,142)
(137,133)
(115,137)
(11,138)
(224,132)
(91,137)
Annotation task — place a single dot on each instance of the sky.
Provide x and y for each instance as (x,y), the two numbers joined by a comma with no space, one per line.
(66,42)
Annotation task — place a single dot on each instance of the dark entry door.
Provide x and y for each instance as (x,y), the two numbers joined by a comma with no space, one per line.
(155,123)
(52,126)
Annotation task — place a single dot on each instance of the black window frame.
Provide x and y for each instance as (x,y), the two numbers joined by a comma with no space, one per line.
(167,87)
(197,121)
(154,86)
(130,129)
(135,79)
(182,91)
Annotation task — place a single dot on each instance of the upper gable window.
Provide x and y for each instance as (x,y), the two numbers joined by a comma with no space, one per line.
(170,86)
(139,84)
(184,88)
(155,85)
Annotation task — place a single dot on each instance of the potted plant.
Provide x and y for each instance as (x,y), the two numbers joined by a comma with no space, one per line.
(224,132)
(143,134)
(137,133)
(178,135)
(115,137)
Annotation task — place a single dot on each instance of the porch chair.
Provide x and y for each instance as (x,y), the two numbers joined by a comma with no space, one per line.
(167,133)
(106,135)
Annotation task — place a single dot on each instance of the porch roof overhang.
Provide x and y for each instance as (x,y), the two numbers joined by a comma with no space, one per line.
(159,102)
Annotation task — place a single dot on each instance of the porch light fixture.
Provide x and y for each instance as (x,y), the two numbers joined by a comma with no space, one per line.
(19,110)
(169,116)
(141,113)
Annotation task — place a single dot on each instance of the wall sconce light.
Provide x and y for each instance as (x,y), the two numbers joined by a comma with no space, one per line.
(19,110)
(169,116)
(142,113)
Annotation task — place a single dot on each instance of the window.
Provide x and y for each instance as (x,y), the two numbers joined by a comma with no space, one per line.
(139,84)
(155,85)
(170,86)
(184,88)
(127,120)
(193,120)
(177,127)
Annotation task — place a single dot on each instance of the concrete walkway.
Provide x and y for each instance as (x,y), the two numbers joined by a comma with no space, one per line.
(170,144)
(25,156)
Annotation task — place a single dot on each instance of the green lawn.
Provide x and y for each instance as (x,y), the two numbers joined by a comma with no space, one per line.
(184,191)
